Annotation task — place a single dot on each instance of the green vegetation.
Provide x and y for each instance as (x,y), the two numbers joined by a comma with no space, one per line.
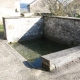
(78,16)
(64,8)
(1,31)
(22,14)
(1,28)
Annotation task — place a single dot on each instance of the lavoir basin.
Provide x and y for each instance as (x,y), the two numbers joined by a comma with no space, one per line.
(32,50)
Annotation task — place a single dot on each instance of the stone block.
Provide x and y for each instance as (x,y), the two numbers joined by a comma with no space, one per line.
(58,59)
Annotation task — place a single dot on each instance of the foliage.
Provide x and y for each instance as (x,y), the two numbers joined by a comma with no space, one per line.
(1,28)
(58,9)
(22,14)
(65,7)
(78,16)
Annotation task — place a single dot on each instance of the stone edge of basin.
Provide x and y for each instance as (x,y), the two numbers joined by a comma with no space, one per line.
(17,55)
(58,59)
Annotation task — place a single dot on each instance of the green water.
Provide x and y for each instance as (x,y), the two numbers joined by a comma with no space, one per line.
(33,49)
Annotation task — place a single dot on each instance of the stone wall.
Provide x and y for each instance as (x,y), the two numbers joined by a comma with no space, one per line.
(9,8)
(42,6)
(63,30)
(19,28)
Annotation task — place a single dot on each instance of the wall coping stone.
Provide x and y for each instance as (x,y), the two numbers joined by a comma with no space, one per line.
(18,17)
(72,18)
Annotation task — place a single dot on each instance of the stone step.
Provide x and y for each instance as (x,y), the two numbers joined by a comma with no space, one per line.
(55,60)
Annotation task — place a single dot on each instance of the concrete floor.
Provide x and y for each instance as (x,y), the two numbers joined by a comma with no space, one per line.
(12,68)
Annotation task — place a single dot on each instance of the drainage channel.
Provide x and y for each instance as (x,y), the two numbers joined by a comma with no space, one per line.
(32,50)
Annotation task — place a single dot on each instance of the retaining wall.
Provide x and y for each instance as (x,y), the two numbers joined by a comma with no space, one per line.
(63,30)
(19,28)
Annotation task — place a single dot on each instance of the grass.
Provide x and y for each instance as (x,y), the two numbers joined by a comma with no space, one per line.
(1,28)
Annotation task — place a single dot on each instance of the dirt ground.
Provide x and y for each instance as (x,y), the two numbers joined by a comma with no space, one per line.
(12,68)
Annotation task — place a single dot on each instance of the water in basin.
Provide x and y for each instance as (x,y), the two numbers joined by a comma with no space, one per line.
(32,50)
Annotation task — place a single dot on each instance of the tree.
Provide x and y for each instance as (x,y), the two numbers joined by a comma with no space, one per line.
(64,7)
(56,8)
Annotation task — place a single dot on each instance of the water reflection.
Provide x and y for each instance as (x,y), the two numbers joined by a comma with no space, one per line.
(33,49)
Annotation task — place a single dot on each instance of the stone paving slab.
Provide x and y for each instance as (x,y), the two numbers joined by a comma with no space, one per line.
(70,71)
(12,68)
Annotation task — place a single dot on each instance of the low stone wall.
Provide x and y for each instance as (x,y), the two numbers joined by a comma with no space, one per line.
(58,59)
(63,30)
(19,28)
